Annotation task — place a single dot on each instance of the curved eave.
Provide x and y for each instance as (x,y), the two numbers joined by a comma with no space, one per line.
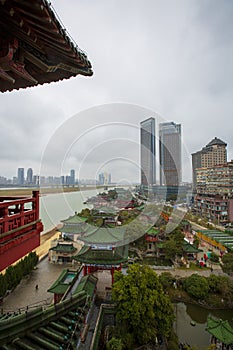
(49,53)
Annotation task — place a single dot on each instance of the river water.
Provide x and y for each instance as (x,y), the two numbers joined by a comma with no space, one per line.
(59,206)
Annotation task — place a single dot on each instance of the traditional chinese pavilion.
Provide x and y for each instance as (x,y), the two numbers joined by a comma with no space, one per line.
(104,249)
(34,46)
(20,227)
(62,253)
(74,226)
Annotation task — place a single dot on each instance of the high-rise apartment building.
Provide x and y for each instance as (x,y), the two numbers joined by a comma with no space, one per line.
(20,176)
(214,193)
(170,154)
(214,153)
(148,168)
(216,180)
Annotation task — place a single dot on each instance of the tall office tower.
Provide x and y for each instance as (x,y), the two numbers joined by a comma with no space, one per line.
(20,176)
(170,154)
(148,169)
(72,176)
(101,178)
(214,153)
(29,176)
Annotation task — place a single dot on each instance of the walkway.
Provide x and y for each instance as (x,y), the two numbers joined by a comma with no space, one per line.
(26,295)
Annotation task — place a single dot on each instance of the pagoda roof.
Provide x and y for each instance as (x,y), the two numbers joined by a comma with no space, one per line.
(220,329)
(64,248)
(87,255)
(104,209)
(63,282)
(74,220)
(103,235)
(35,47)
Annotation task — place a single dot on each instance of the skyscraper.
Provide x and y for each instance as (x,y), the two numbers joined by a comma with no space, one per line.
(20,176)
(72,177)
(29,176)
(148,169)
(170,154)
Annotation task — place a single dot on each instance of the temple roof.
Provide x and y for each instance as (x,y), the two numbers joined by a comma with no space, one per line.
(34,46)
(103,236)
(104,209)
(87,255)
(74,219)
(50,328)
(220,329)
(88,284)
(64,248)
(63,282)
(189,248)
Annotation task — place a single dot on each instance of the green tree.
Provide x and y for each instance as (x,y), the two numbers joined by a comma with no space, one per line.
(196,241)
(196,286)
(227,266)
(215,283)
(171,250)
(114,344)
(167,280)
(3,285)
(214,258)
(173,246)
(143,309)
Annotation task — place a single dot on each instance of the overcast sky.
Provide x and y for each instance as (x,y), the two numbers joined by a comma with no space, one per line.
(171,59)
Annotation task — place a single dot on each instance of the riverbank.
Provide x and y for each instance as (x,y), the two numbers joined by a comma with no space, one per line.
(27,191)
(45,242)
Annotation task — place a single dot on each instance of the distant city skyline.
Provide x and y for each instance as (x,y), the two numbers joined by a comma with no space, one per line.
(37,180)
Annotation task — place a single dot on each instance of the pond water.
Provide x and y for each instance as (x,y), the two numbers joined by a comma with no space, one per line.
(196,335)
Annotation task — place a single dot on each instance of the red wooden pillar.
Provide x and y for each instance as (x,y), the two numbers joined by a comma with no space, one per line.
(35,205)
(84,270)
(5,222)
(89,270)
(22,214)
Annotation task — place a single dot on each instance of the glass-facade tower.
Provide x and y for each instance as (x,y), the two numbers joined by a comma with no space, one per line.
(170,154)
(147,141)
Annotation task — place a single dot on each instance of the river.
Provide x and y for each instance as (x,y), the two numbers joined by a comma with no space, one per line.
(59,206)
